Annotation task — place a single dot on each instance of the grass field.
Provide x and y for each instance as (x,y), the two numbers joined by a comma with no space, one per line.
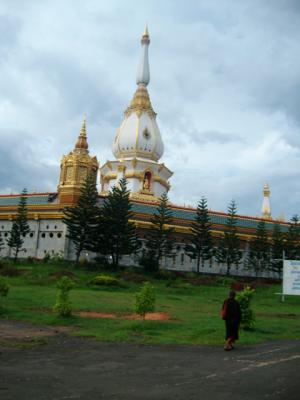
(193,308)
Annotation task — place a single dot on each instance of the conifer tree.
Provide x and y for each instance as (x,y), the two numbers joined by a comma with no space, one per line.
(20,226)
(277,247)
(258,259)
(201,244)
(1,243)
(292,244)
(160,237)
(82,219)
(116,235)
(228,251)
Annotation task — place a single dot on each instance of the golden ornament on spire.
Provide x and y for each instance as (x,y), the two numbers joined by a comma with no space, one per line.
(140,102)
(146,33)
(81,141)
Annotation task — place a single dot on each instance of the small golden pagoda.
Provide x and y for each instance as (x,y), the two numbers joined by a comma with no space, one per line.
(74,168)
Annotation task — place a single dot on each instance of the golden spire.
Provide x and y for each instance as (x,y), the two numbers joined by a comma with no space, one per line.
(81,141)
(146,33)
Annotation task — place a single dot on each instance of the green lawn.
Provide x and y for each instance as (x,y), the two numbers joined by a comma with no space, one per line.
(194,309)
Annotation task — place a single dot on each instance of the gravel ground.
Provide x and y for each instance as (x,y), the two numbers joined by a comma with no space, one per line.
(80,368)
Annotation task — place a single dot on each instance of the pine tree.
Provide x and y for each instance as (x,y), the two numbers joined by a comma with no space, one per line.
(20,226)
(228,251)
(159,240)
(258,259)
(201,244)
(277,248)
(293,239)
(116,235)
(1,243)
(82,219)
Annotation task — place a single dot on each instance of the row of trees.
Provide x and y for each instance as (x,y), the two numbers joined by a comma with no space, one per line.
(108,230)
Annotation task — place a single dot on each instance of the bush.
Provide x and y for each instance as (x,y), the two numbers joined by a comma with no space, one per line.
(247,316)
(2,264)
(145,300)
(105,280)
(60,274)
(164,274)
(4,288)
(131,276)
(11,271)
(63,305)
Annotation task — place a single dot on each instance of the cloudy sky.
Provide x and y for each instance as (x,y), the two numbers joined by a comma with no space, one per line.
(225,82)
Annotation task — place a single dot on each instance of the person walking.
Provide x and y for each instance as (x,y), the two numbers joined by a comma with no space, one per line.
(231,314)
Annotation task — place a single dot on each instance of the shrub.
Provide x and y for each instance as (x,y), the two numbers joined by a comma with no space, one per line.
(145,300)
(63,305)
(32,260)
(60,274)
(11,271)
(105,280)
(2,264)
(131,276)
(247,316)
(4,288)
(164,274)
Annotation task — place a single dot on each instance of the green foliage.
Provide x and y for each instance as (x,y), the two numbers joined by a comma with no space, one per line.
(277,247)
(82,220)
(4,289)
(258,259)
(20,226)
(160,237)
(1,243)
(201,244)
(57,257)
(247,316)
(105,280)
(194,311)
(116,235)
(63,305)
(145,300)
(228,251)
(292,245)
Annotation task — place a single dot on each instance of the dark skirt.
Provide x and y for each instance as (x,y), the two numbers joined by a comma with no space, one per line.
(232,329)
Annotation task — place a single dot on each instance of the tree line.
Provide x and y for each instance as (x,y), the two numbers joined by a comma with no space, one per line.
(108,231)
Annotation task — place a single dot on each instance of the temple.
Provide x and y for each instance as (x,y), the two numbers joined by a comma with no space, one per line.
(137,148)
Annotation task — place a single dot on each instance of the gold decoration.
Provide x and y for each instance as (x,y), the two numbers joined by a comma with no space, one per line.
(140,102)
(74,169)
(108,177)
(121,168)
(134,162)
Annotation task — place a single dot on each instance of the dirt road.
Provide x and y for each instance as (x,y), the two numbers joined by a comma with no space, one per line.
(80,368)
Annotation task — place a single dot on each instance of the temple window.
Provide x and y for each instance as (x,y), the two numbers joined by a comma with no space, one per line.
(147,180)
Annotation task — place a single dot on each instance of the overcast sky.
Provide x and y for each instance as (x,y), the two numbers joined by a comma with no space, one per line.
(225,83)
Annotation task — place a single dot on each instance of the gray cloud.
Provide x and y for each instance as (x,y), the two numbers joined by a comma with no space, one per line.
(224,82)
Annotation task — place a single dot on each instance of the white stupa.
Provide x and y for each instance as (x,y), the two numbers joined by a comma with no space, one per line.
(138,144)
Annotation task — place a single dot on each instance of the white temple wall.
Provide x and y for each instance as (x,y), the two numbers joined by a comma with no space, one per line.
(49,236)
(45,236)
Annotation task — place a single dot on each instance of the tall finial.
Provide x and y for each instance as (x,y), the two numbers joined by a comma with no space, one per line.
(143,74)
(266,208)
(81,141)
(83,127)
